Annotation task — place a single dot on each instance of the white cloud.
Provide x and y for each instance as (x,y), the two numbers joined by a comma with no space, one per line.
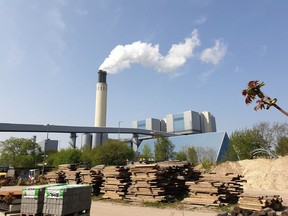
(214,54)
(200,20)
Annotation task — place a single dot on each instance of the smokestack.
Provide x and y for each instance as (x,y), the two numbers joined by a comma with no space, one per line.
(100,108)
(101,100)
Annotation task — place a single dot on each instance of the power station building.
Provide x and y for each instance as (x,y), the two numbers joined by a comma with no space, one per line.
(188,122)
(191,128)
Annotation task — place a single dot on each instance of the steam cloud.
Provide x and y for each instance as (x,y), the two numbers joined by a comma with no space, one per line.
(148,55)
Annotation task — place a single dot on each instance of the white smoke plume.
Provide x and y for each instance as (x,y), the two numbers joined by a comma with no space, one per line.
(148,55)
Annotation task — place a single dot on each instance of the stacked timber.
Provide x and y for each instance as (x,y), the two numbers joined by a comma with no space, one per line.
(10,201)
(184,170)
(215,189)
(160,182)
(84,176)
(66,173)
(230,185)
(147,183)
(56,177)
(116,180)
(96,175)
(70,176)
(259,202)
(65,167)
(176,174)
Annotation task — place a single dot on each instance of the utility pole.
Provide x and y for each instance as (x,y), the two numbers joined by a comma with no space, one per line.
(44,156)
(119,123)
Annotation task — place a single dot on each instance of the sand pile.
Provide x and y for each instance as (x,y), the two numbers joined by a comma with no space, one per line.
(266,174)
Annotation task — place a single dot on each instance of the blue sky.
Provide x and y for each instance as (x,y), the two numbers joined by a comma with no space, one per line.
(50,53)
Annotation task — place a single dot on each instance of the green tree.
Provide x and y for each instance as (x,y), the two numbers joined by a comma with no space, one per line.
(245,141)
(192,155)
(271,133)
(20,152)
(114,152)
(181,155)
(206,154)
(88,155)
(146,152)
(230,155)
(65,156)
(282,146)
(163,148)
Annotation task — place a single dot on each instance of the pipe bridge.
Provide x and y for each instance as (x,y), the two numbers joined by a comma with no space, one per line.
(73,130)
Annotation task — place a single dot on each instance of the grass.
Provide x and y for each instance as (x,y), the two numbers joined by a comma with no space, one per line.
(226,208)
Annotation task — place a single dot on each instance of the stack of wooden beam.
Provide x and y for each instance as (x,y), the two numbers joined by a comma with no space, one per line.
(60,175)
(70,176)
(231,185)
(96,175)
(179,172)
(160,182)
(56,177)
(93,177)
(215,189)
(146,183)
(116,180)
(84,175)
(259,202)
(65,174)
(10,201)
(184,170)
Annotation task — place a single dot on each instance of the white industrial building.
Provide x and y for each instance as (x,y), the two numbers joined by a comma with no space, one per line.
(150,124)
(188,122)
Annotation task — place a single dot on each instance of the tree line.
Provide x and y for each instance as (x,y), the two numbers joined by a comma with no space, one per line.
(244,143)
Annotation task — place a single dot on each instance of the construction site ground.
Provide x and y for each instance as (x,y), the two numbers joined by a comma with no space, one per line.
(264,177)
(106,208)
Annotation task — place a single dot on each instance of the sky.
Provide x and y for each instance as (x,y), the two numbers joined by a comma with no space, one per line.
(162,57)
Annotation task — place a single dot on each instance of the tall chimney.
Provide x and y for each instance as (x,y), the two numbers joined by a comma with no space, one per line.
(101,100)
(100,108)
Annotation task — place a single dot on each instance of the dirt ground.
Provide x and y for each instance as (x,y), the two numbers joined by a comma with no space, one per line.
(112,209)
(263,176)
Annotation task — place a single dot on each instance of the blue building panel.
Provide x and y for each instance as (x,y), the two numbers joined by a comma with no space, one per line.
(219,141)
(178,122)
(141,124)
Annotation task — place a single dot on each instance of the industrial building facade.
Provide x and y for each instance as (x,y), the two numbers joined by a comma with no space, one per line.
(216,141)
(188,122)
